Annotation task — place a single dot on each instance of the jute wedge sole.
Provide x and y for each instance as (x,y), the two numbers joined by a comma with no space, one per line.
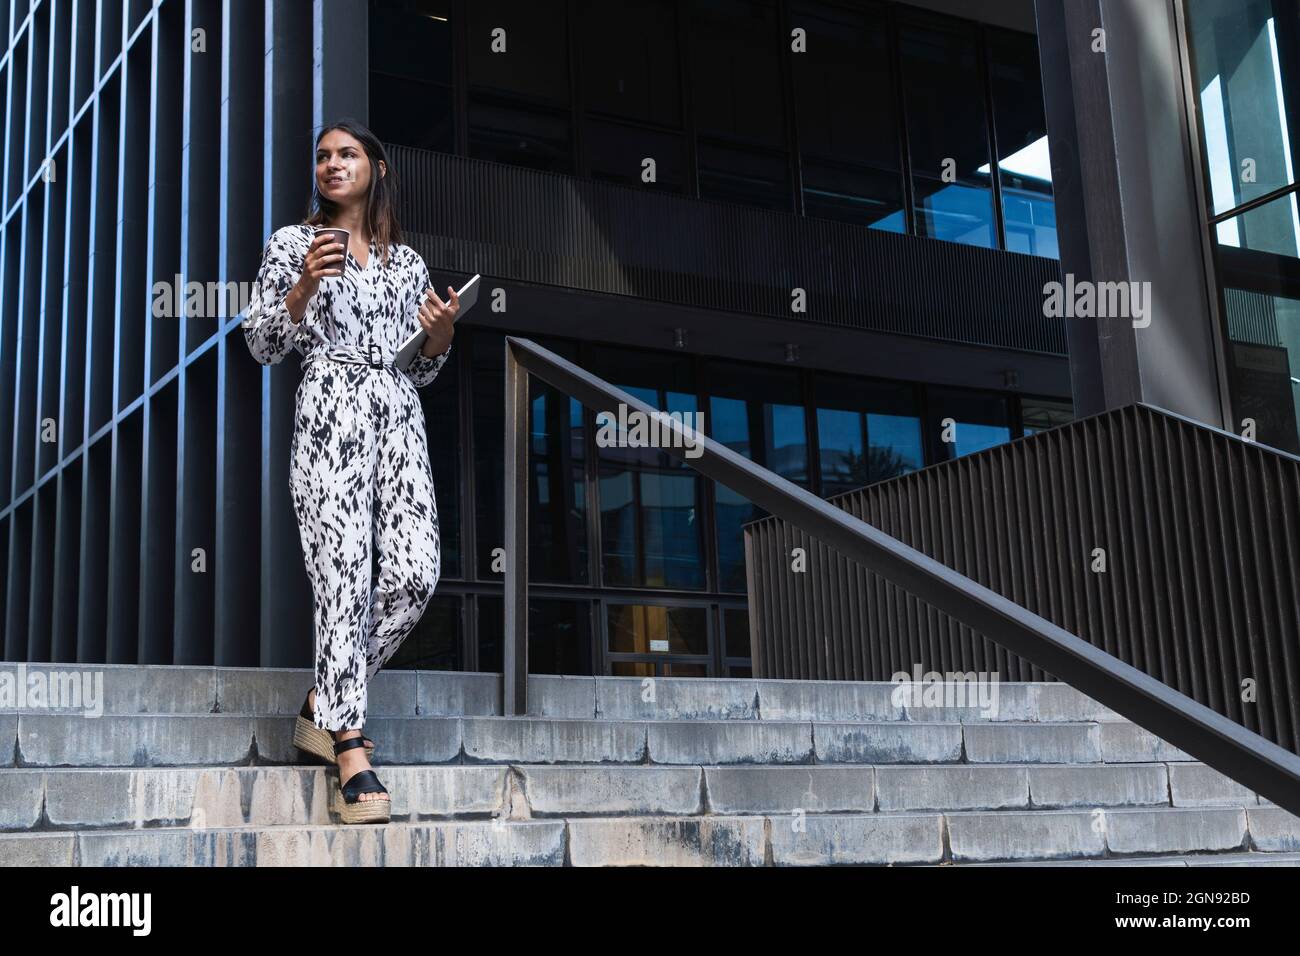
(365,811)
(307,736)
(353,809)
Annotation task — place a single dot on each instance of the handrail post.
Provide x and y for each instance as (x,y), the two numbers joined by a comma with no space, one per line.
(514,692)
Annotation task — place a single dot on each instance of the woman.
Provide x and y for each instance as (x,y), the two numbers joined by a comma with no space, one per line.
(359,463)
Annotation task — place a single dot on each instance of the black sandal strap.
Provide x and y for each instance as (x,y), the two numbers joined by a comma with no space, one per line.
(349,744)
(363,781)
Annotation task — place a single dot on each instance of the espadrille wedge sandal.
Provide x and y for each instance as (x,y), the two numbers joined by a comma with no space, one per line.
(307,736)
(353,809)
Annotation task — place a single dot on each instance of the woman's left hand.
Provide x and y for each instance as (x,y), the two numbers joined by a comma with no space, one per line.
(438,319)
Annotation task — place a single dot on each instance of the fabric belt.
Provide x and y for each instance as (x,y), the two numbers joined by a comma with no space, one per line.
(368,354)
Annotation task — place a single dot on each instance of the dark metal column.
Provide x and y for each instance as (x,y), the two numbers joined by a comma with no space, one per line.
(1127,205)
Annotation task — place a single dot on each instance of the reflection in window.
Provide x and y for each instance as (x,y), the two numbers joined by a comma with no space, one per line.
(1272,228)
(1024,164)
(757,413)
(649,502)
(557,526)
(1265,364)
(976,420)
(557,547)
(848,122)
(1040,414)
(866,432)
(1244,62)
(947,134)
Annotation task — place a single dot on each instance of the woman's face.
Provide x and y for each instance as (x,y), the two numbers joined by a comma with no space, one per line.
(342,168)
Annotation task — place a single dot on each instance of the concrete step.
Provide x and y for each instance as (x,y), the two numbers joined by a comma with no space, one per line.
(126,689)
(53,740)
(279,795)
(720,840)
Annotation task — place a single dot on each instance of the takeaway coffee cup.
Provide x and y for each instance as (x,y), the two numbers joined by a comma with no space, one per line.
(340,236)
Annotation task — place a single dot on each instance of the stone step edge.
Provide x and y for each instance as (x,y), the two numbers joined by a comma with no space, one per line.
(563,824)
(542,817)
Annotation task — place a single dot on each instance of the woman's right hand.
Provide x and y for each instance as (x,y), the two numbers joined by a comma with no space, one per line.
(324,260)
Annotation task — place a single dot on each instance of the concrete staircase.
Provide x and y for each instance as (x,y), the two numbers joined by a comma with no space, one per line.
(195,766)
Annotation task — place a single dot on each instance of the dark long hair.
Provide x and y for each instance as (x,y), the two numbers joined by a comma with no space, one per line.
(381,216)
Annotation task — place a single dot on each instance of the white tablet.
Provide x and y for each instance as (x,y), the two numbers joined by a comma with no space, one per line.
(468,295)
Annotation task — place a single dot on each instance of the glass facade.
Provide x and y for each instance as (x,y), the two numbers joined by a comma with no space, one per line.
(890,117)
(1245,65)
(155,523)
(662,556)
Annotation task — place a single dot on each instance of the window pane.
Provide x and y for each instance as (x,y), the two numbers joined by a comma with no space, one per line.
(1273,227)
(848,122)
(844,93)
(534,139)
(633,626)
(1244,65)
(1040,414)
(735,622)
(616,154)
(867,197)
(649,502)
(758,413)
(735,84)
(981,420)
(411,73)
(1265,364)
(535,62)
(559,636)
(866,432)
(741,176)
(411,39)
(1024,162)
(947,133)
(393,120)
(673,552)
(557,525)
(629,60)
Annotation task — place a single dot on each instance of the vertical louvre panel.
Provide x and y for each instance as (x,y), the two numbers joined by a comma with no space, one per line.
(1201,588)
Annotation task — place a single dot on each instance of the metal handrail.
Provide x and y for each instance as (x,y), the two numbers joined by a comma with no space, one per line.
(1207,735)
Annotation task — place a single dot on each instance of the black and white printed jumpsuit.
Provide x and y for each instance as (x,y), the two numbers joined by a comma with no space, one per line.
(359,462)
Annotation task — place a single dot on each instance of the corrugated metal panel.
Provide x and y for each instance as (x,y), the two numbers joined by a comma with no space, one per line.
(1201,589)
(465,214)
